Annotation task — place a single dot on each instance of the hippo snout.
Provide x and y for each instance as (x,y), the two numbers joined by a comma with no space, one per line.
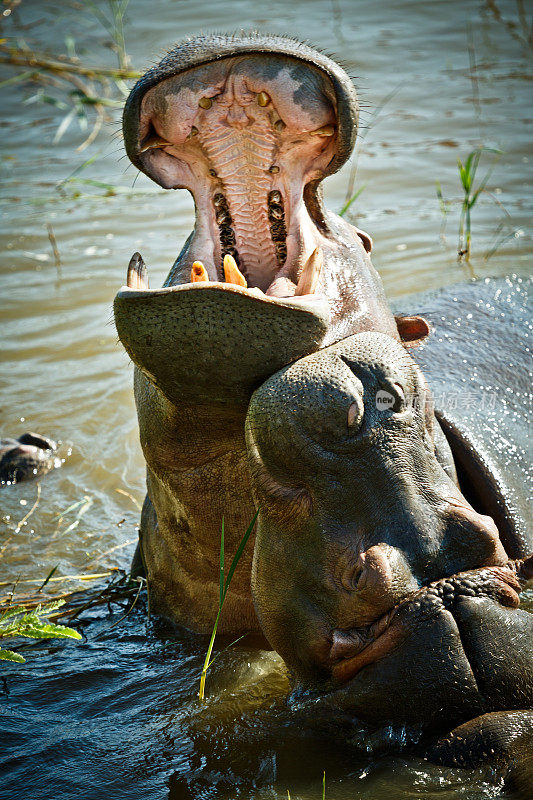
(376,580)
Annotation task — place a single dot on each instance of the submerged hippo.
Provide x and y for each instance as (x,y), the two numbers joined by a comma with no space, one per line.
(378,574)
(29,456)
(250,125)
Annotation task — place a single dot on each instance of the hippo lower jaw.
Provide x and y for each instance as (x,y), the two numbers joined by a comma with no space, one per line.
(352,650)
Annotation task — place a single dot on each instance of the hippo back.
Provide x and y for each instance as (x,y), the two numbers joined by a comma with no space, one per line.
(478,365)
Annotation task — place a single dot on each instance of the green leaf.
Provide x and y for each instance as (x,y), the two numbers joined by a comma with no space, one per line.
(43,584)
(221,595)
(352,199)
(11,612)
(9,655)
(17,78)
(48,631)
(239,552)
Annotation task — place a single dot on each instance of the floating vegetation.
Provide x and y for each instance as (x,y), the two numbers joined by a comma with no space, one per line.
(83,91)
(34,614)
(19,622)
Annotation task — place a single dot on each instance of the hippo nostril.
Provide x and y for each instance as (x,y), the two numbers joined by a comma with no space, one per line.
(355,415)
(351,576)
(482,545)
(344,645)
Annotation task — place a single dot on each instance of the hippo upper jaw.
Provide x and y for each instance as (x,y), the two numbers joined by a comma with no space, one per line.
(249,125)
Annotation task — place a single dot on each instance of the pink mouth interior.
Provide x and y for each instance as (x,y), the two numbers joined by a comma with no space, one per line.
(244,135)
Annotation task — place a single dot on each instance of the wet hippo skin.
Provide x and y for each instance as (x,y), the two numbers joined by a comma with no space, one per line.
(250,126)
(384,585)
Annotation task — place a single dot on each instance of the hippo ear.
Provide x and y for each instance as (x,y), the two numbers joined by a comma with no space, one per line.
(412,330)
(365,238)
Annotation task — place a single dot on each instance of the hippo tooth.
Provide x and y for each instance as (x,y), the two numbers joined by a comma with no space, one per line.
(137,273)
(311,273)
(263,99)
(205,102)
(154,142)
(326,130)
(232,273)
(199,273)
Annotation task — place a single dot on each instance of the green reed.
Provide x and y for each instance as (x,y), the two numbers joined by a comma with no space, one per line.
(472,189)
(471,194)
(224,584)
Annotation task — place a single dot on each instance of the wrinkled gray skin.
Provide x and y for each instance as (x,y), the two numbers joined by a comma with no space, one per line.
(200,349)
(30,456)
(372,572)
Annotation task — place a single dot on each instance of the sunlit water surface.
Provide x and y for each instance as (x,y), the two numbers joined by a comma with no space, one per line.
(117,715)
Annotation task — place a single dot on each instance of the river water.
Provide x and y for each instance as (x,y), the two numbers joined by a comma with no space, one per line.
(117,715)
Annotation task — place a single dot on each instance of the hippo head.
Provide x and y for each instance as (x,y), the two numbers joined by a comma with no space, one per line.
(358,519)
(30,456)
(249,125)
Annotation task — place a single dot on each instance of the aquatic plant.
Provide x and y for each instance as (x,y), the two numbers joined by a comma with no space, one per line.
(224,584)
(79,88)
(18,622)
(467,174)
(471,194)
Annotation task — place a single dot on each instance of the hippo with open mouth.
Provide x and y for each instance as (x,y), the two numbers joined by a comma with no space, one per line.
(250,125)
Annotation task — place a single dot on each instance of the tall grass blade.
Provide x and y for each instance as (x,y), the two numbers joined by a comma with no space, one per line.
(43,584)
(224,586)
(239,552)
(221,580)
(352,199)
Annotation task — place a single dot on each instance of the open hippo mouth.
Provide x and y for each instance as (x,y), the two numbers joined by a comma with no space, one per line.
(249,126)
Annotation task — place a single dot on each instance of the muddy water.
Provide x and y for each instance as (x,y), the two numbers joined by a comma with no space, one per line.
(116,715)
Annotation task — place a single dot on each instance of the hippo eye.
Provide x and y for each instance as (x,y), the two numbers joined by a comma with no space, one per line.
(391,398)
(355,414)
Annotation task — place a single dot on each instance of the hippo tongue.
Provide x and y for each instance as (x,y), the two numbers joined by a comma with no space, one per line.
(215,343)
